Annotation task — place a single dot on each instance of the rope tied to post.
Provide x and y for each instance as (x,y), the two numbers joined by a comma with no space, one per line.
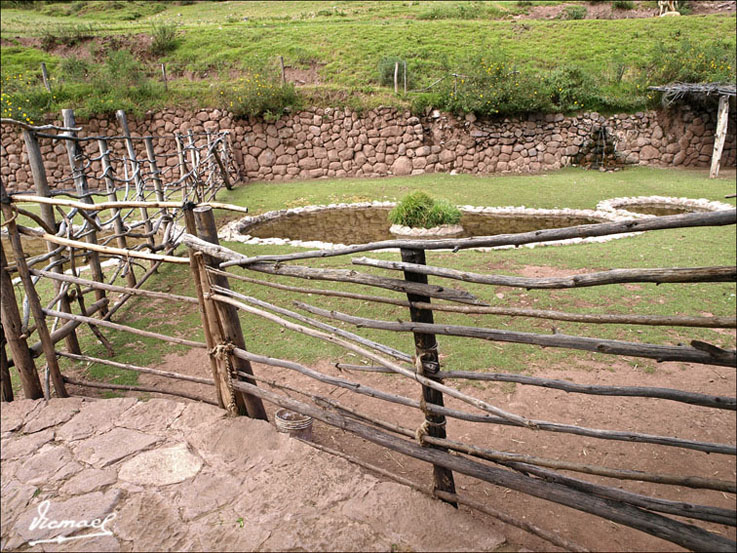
(224,352)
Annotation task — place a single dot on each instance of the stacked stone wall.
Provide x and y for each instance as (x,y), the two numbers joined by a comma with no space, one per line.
(341,143)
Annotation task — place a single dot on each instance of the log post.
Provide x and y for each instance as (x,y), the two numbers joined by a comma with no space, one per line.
(16,340)
(213,334)
(107,170)
(163,75)
(720,135)
(123,122)
(33,299)
(182,167)
(45,77)
(41,183)
(75,154)
(427,364)
(396,77)
(194,162)
(228,316)
(6,386)
(223,170)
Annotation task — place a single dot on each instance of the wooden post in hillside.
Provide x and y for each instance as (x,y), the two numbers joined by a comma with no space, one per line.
(107,170)
(720,135)
(163,74)
(396,77)
(228,317)
(45,77)
(74,151)
(427,364)
(33,299)
(41,184)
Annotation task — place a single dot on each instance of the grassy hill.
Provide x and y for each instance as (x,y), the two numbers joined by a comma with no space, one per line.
(218,52)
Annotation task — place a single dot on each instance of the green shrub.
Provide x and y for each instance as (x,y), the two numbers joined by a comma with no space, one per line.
(623,5)
(163,38)
(23,98)
(574,12)
(74,68)
(692,63)
(418,210)
(571,89)
(259,95)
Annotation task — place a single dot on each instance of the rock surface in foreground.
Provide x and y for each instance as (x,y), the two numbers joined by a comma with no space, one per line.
(188,478)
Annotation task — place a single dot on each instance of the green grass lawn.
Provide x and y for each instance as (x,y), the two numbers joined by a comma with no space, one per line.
(575,188)
(346,41)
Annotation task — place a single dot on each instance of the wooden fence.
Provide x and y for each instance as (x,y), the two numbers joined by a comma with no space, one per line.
(223,311)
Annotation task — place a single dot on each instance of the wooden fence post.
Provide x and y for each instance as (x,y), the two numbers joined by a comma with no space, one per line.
(6,386)
(213,334)
(45,77)
(228,317)
(16,340)
(112,196)
(283,73)
(163,74)
(427,364)
(40,182)
(33,300)
(123,122)
(396,76)
(74,152)
(719,136)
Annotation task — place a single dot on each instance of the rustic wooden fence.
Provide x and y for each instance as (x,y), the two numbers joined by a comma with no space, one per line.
(223,311)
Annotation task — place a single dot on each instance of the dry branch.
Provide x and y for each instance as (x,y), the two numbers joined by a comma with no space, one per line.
(725,358)
(102,249)
(107,386)
(614,276)
(595,318)
(693,398)
(114,288)
(596,433)
(129,367)
(483,405)
(124,328)
(102,206)
(317,324)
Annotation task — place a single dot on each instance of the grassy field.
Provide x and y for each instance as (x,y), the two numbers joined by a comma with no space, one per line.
(574,188)
(345,42)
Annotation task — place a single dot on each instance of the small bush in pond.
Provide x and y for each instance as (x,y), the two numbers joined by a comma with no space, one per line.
(418,210)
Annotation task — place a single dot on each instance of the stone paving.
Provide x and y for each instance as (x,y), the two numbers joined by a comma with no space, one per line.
(168,476)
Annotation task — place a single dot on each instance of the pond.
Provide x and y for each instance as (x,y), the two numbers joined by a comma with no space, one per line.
(358,223)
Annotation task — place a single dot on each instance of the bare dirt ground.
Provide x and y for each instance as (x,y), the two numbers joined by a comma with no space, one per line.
(604,10)
(635,414)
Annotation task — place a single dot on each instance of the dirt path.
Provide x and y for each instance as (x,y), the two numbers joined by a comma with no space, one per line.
(636,414)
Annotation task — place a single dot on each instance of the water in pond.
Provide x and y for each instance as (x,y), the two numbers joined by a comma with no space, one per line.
(358,225)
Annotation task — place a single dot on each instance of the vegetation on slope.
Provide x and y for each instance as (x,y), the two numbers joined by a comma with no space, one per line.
(214,51)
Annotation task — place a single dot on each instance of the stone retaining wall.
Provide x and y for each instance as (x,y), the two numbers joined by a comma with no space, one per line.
(341,143)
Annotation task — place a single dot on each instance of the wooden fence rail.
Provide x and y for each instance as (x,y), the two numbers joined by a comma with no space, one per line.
(420,431)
